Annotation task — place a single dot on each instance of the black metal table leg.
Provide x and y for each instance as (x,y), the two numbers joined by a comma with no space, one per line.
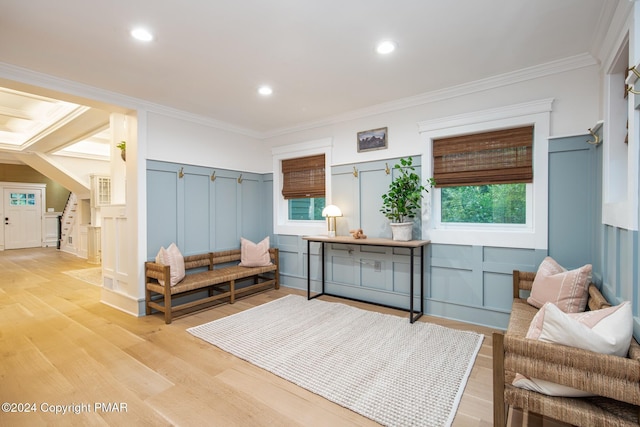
(411,285)
(322,258)
(309,296)
(413,318)
(308,269)
(421,279)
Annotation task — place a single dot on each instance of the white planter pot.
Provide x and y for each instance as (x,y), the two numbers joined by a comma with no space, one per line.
(402,231)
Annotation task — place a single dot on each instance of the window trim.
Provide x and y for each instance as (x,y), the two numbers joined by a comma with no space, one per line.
(533,235)
(281,222)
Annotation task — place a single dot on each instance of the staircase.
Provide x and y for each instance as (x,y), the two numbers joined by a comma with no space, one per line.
(69,225)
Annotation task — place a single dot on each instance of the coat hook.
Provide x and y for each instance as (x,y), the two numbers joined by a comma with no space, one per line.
(240,179)
(386,168)
(355,172)
(630,89)
(213,176)
(181,172)
(596,138)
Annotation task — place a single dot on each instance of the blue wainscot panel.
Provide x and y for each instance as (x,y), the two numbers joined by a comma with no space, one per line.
(498,291)
(401,276)
(371,273)
(226,213)
(162,210)
(292,243)
(289,264)
(452,256)
(197,222)
(454,286)
(252,229)
(505,260)
(341,268)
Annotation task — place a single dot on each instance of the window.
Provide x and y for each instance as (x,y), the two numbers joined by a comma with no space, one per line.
(483,175)
(301,187)
(503,226)
(22,199)
(484,204)
(306,209)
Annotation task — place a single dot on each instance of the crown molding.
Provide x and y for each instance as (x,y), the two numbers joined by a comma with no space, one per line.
(501,80)
(516,110)
(195,118)
(29,77)
(118,101)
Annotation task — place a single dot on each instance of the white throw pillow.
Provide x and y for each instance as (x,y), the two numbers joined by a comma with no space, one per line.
(254,254)
(174,259)
(606,331)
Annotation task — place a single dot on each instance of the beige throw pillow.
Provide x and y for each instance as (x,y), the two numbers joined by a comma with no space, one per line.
(606,331)
(568,290)
(174,259)
(254,254)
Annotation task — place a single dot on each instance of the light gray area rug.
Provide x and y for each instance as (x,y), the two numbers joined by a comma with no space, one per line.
(378,365)
(89,275)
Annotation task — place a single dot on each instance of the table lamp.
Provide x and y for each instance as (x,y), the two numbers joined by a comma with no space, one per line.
(331,212)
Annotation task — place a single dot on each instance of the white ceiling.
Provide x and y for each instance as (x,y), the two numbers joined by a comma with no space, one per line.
(210,56)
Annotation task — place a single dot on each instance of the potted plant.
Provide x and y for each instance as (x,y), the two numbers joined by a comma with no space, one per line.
(123,150)
(403,200)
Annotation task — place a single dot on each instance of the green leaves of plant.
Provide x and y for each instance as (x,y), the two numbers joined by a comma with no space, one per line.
(405,193)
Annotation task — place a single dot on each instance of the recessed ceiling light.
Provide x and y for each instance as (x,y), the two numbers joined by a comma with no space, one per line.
(141,34)
(265,90)
(386,47)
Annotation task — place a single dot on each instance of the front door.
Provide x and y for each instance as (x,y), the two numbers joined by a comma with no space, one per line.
(22,218)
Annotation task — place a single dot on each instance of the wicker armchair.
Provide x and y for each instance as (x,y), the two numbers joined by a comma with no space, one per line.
(614,380)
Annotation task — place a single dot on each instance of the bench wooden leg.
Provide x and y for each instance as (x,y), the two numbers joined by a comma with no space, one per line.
(232,291)
(147,298)
(167,308)
(500,409)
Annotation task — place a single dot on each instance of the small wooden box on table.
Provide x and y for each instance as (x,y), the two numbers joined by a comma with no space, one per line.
(214,272)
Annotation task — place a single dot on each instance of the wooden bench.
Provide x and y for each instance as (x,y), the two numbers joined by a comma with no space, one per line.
(614,380)
(215,272)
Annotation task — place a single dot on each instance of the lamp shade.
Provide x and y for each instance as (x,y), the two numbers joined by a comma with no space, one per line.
(331,210)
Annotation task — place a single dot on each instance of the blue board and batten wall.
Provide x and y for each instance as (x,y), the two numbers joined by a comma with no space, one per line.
(203,209)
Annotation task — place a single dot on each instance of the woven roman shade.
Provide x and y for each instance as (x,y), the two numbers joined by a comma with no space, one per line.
(496,157)
(303,177)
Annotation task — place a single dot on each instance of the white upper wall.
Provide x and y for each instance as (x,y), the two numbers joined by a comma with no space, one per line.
(183,141)
(576,104)
(84,168)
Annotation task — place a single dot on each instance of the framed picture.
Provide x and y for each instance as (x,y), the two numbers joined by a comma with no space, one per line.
(374,139)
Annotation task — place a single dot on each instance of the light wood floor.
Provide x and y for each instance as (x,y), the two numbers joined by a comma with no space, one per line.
(60,346)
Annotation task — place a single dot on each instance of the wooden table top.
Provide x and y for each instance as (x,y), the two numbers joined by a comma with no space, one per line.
(372,241)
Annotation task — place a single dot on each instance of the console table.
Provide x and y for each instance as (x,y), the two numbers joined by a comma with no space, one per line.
(348,240)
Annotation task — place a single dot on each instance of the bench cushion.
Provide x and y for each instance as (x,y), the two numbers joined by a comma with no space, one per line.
(521,316)
(206,278)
